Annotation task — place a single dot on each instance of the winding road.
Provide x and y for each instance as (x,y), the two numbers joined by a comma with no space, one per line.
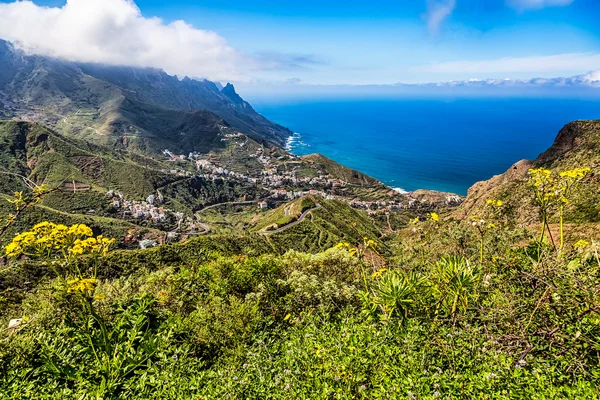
(238,203)
(292,224)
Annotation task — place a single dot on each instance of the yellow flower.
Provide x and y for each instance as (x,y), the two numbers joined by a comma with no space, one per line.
(576,173)
(580,244)
(81,285)
(414,221)
(13,250)
(540,177)
(77,249)
(80,230)
(494,203)
(435,217)
(40,189)
(377,274)
(287,317)
(342,245)
(18,200)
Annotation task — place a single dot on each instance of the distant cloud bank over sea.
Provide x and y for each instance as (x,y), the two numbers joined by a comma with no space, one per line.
(584,85)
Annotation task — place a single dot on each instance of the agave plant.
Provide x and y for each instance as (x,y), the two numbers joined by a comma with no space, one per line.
(456,283)
(397,293)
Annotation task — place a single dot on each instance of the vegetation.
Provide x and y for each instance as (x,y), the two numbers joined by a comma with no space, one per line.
(445,309)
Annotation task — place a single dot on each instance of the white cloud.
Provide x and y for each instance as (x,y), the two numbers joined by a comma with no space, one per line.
(437,12)
(523,5)
(591,77)
(518,65)
(115,32)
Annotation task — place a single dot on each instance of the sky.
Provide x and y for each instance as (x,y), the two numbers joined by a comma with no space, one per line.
(318,42)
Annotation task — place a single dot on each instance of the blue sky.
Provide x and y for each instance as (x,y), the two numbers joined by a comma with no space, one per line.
(382,42)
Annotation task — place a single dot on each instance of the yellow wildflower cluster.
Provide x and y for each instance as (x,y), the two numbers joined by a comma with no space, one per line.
(97,244)
(354,251)
(435,217)
(18,200)
(414,221)
(540,176)
(494,203)
(342,245)
(39,190)
(576,173)
(554,191)
(369,243)
(82,285)
(580,244)
(46,239)
(377,274)
(346,246)
(549,188)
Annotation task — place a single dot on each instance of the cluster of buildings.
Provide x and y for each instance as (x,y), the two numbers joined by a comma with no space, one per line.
(211,171)
(151,210)
(138,209)
(382,205)
(282,194)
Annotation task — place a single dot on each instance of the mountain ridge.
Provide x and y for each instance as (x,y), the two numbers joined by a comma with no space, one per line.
(87,100)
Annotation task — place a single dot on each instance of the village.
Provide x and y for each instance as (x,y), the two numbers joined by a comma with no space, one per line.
(152,211)
(279,177)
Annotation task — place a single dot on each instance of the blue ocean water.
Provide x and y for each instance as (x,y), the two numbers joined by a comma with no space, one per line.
(441,144)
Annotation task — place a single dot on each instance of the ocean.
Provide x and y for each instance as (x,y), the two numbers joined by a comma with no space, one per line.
(438,144)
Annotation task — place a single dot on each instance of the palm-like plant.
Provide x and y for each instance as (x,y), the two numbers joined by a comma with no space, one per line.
(398,293)
(456,283)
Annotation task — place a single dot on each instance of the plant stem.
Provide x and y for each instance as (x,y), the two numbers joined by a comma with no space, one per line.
(561,229)
(543,227)
(481,250)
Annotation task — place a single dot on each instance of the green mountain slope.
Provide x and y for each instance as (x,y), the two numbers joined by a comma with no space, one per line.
(142,108)
(47,157)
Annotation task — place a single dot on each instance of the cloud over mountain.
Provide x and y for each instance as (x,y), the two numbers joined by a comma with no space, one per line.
(115,32)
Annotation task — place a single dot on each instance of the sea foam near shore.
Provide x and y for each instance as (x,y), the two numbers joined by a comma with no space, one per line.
(294,142)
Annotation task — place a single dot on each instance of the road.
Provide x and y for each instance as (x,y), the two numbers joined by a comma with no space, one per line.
(203,226)
(206,227)
(238,203)
(292,224)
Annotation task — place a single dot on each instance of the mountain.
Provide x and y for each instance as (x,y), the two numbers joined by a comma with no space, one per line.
(135,108)
(575,146)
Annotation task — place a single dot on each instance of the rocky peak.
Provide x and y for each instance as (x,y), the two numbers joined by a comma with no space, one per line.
(230,92)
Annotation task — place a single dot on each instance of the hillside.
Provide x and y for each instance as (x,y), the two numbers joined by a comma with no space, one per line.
(142,109)
(339,171)
(576,146)
(44,156)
